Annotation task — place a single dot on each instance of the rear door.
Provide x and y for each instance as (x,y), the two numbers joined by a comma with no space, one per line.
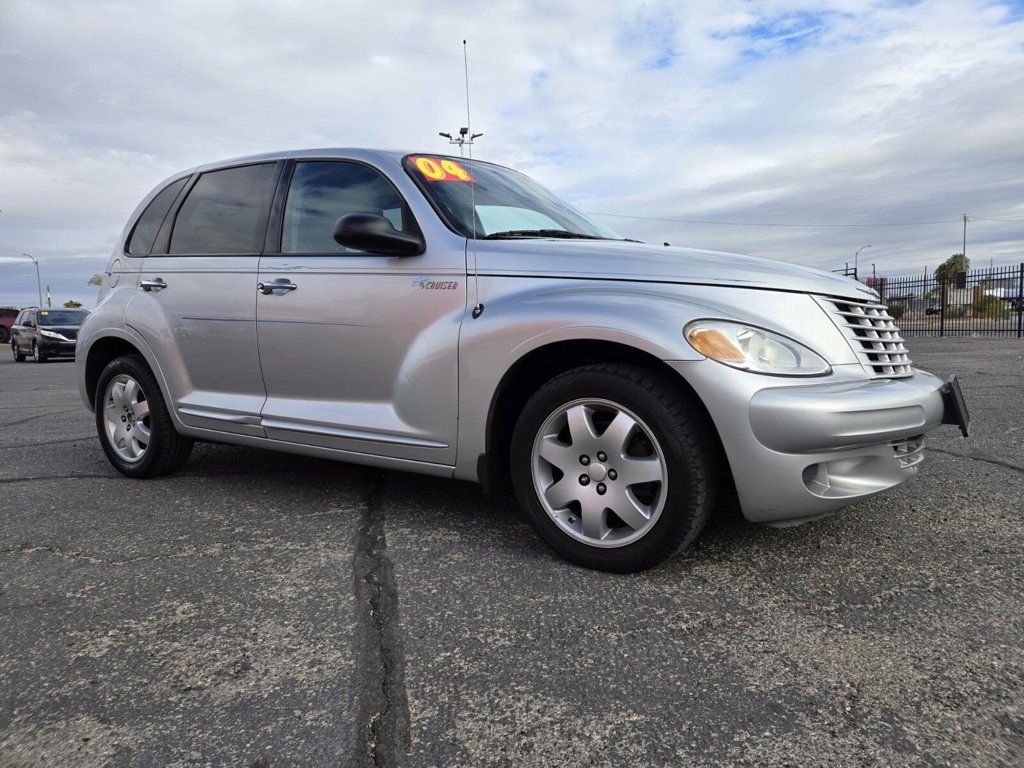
(197,306)
(362,355)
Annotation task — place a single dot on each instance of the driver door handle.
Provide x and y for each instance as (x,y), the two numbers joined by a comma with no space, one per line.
(156,284)
(281,284)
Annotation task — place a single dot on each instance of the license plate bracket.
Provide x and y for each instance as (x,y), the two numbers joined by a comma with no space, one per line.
(955,407)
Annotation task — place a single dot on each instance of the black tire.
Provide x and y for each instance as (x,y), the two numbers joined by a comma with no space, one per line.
(681,428)
(37,356)
(167,450)
(5,335)
(19,356)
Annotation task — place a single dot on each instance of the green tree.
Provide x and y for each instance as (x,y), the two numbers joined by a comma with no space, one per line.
(72,304)
(95,280)
(956,263)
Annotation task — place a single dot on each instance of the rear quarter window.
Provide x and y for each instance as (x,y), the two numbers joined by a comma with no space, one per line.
(144,234)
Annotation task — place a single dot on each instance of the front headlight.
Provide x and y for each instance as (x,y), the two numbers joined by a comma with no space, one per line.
(753,349)
(50,334)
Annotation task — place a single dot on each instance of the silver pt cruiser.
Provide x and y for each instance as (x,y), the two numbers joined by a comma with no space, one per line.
(452,317)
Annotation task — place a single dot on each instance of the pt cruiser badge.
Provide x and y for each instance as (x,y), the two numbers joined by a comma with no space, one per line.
(614,386)
(435,285)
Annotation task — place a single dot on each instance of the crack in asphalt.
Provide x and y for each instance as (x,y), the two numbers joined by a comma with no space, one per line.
(74,554)
(49,442)
(982,458)
(384,709)
(38,416)
(171,478)
(5,480)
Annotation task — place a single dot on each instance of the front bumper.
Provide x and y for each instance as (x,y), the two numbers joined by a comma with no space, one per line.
(799,448)
(56,347)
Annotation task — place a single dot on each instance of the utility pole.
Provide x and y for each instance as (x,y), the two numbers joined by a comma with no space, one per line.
(49,303)
(964,251)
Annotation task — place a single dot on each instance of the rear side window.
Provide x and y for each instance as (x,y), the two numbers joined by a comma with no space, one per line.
(141,242)
(323,192)
(221,212)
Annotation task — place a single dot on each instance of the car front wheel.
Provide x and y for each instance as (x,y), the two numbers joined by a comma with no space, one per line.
(615,466)
(134,425)
(37,356)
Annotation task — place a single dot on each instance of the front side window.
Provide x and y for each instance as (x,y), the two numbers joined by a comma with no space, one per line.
(144,234)
(495,202)
(321,192)
(30,320)
(220,214)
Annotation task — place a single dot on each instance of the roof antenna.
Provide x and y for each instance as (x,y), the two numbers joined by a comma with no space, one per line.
(478,309)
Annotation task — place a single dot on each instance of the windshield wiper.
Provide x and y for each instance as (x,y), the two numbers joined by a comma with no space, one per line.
(512,233)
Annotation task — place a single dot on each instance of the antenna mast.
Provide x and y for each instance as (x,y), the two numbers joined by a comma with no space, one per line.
(465,138)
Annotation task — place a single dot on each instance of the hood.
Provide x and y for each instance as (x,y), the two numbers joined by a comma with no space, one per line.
(618,260)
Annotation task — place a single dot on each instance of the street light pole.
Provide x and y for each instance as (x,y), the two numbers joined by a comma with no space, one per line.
(39,283)
(856,274)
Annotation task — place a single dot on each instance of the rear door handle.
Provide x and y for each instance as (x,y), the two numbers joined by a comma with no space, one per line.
(156,284)
(280,284)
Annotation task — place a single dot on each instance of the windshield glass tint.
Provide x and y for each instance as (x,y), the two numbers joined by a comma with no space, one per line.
(506,201)
(62,317)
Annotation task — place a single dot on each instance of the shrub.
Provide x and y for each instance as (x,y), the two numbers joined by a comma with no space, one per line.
(897,310)
(989,306)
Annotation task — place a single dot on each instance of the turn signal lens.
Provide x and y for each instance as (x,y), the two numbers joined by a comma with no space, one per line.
(713,343)
(753,349)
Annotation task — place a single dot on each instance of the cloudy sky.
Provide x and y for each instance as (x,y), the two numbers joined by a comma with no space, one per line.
(726,125)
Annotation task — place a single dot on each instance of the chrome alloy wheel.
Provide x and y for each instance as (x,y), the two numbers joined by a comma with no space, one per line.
(126,418)
(599,472)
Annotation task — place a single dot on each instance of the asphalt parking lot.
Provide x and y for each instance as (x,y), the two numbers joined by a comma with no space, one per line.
(258,609)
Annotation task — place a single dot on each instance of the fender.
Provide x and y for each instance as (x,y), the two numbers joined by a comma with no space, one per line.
(131,336)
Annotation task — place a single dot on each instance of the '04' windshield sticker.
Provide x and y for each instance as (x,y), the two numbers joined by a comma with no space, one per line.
(441,169)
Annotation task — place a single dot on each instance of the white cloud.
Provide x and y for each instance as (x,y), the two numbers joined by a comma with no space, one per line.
(813,112)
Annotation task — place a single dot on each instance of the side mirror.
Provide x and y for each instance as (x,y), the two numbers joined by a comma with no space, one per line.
(374,234)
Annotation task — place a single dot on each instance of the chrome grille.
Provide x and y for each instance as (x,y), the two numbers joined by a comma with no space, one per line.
(909,451)
(873,334)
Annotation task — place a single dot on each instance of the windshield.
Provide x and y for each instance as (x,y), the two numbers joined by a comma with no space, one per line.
(508,205)
(62,316)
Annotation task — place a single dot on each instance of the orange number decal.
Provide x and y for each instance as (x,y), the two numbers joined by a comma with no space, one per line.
(430,169)
(438,169)
(454,169)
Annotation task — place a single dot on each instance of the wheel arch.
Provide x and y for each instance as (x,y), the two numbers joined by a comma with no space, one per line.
(107,347)
(539,365)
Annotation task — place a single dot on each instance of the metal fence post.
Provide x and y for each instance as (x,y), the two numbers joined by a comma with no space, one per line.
(1020,302)
(942,306)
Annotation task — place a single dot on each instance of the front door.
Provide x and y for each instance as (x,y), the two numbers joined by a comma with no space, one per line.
(197,307)
(362,353)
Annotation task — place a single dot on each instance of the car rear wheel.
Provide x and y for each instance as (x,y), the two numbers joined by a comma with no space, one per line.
(134,425)
(615,466)
(5,335)
(37,356)
(19,356)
